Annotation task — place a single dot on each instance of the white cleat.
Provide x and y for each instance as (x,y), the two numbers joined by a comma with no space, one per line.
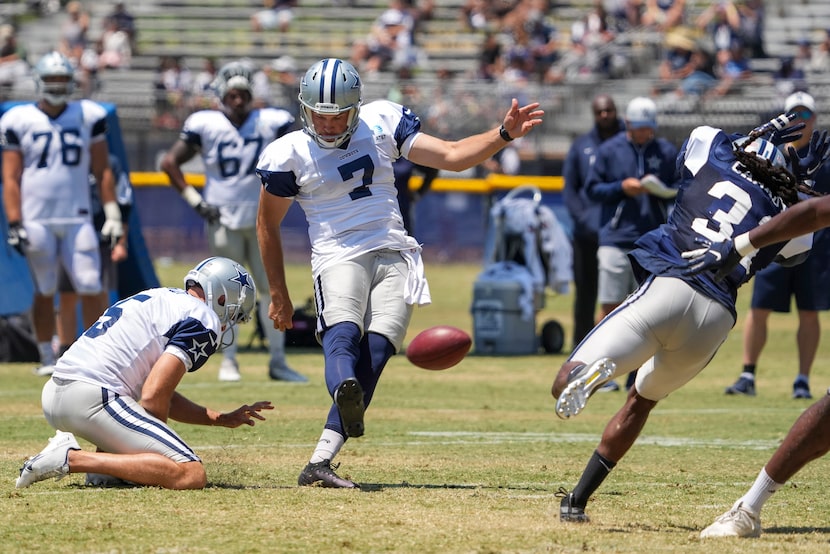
(44,370)
(229,371)
(737,522)
(582,384)
(53,461)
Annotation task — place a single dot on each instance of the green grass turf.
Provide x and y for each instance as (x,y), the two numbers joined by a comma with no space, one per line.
(463,460)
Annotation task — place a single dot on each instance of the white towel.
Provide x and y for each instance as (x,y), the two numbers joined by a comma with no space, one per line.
(416,291)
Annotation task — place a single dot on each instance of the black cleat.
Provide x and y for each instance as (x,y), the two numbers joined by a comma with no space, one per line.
(567,511)
(323,473)
(349,400)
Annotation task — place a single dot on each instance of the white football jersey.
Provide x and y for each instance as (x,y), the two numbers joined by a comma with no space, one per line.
(348,194)
(56,158)
(118,351)
(230,155)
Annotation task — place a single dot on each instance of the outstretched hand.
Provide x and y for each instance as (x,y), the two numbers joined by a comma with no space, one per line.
(720,256)
(244,415)
(520,121)
(788,134)
(805,168)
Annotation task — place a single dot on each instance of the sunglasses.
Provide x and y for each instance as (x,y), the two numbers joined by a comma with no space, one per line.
(804,114)
(604,110)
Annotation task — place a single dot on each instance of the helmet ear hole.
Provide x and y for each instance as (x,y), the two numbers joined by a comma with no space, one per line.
(221,300)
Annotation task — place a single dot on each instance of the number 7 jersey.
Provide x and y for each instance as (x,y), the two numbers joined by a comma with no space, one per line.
(348,194)
(56,158)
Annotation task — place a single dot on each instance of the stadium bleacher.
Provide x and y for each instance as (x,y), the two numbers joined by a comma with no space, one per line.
(193,29)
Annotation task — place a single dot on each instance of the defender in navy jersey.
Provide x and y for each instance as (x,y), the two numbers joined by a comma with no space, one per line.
(367,271)
(116,385)
(673,324)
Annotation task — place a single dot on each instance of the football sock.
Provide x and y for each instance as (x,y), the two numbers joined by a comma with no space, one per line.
(47,355)
(748,369)
(328,446)
(759,493)
(341,348)
(375,351)
(595,473)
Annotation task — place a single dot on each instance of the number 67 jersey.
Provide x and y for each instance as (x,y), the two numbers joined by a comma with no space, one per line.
(348,194)
(718,199)
(56,158)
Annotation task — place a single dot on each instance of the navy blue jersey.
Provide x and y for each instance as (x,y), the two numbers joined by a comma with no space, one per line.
(716,201)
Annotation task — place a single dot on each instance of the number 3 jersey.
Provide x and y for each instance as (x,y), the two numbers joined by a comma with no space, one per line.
(348,194)
(56,158)
(718,199)
(230,155)
(118,351)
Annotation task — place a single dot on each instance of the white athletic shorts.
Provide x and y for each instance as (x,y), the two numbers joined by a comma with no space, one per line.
(665,329)
(115,424)
(74,245)
(616,278)
(368,291)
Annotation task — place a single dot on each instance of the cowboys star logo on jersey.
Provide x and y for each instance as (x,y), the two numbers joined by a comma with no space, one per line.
(198,350)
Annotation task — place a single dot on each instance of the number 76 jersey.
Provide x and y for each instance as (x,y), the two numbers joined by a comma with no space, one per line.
(718,199)
(56,158)
(348,194)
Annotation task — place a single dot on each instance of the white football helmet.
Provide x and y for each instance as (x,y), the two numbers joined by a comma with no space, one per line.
(763,149)
(234,75)
(60,85)
(229,290)
(330,86)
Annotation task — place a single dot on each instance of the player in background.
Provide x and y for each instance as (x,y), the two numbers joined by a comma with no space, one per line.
(111,255)
(116,385)
(774,287)
(367,271)
(673,324)
(230,140)
(49,150)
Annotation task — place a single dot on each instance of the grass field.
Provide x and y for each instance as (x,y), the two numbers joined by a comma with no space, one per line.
(467,460)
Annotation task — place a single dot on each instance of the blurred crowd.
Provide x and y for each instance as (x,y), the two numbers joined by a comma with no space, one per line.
(700,50)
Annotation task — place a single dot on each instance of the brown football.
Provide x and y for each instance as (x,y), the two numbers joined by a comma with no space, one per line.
(439,347)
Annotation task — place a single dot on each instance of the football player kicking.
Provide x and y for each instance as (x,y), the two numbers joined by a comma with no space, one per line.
(230,141)
(367,271)
(116,385)
(673,324)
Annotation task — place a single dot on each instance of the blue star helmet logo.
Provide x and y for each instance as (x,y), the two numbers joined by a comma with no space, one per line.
(243,278)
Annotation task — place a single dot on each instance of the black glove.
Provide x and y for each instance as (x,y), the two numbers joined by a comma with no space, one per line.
(804,168)
(17,237)
(720,256)
(209,213)
(789,134)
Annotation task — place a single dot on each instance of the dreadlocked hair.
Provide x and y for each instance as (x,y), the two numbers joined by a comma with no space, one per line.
(779,180)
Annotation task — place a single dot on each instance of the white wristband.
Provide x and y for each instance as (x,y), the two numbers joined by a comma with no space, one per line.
(111,211)
(743,245)
(191,196)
